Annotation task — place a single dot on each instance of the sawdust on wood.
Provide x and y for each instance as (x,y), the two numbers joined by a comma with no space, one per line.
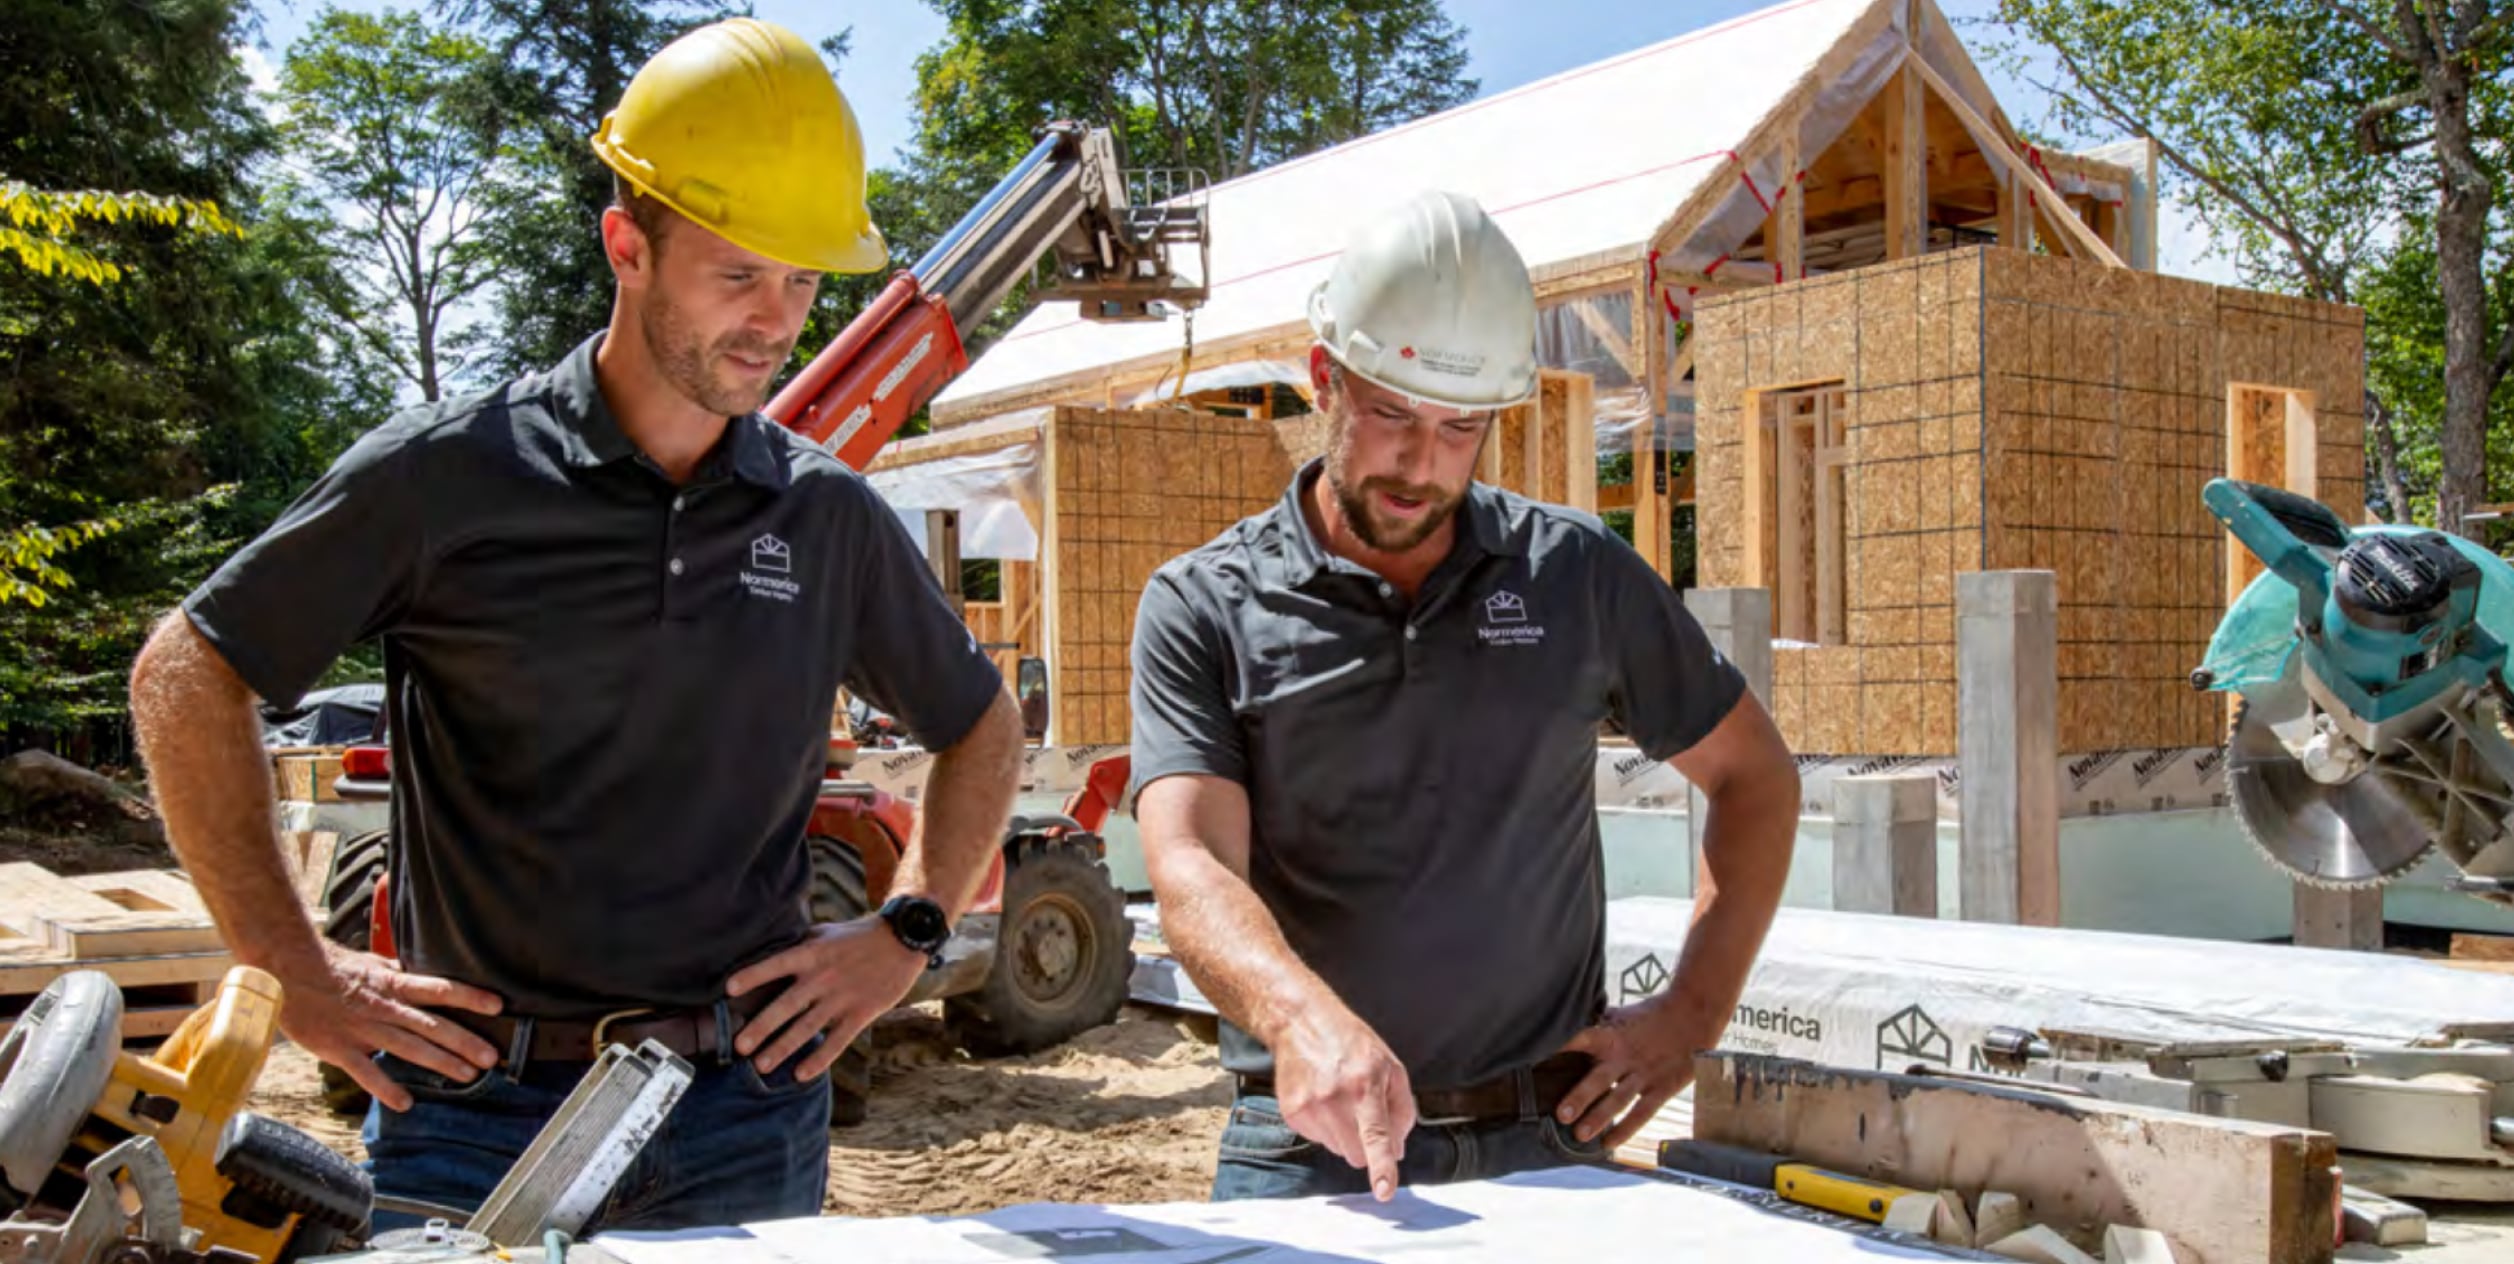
(1129,1113)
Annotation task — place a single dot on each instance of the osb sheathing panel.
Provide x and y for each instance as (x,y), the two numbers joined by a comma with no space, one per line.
(2012,411)
(1903,341)
(1134,489)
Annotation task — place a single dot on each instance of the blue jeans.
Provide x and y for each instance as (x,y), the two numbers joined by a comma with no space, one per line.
(1263,1158)
(737,1148)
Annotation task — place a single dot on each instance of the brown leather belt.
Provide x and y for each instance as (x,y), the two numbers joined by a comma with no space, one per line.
(1522,1094)
(695,1034)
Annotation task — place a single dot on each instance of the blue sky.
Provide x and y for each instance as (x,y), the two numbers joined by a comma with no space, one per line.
(1509,43)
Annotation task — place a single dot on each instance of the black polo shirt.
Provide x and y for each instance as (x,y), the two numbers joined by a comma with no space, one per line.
(1421,777)
(609,696)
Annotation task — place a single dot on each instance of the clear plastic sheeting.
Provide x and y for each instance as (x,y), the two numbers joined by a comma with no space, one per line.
(1622,415)
(990,489)
(1591,333)
(1754,181)
(1222,377)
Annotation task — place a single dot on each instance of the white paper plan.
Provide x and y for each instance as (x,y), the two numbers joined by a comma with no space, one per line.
(1588,1215)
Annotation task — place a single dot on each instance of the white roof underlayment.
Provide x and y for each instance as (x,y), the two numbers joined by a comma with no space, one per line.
(1580,169)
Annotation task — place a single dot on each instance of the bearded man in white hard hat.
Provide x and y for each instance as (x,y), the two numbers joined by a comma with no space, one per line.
(1365,732)
(616,605)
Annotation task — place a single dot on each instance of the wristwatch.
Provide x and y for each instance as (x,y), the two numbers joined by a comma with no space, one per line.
(920,924)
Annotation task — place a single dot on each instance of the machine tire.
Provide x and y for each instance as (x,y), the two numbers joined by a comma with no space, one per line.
(348,903)
(838,894)
(1063,953)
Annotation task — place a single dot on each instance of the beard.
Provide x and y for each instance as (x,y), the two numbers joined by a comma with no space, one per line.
(695,367)
(1360,501)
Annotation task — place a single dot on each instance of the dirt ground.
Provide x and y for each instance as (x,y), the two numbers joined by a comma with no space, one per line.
(1125,1114)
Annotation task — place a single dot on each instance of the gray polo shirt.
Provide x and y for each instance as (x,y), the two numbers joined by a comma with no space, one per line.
(609,697)
(1421,778)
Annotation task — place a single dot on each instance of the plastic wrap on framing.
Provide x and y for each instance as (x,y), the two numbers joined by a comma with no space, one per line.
(1945,54)
(1758,177)
(990,489)
(1567,338)
(1222,377)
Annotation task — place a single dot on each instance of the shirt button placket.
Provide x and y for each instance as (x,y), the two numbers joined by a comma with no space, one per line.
(675,567)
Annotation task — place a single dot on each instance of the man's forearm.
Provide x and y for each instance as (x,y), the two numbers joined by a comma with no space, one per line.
(212,780)
(1747,839)
(968,799)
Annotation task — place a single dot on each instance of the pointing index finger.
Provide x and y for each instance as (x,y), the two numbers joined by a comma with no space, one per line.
(1379,1148)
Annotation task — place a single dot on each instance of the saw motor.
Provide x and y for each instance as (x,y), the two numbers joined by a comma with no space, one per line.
(2370,663)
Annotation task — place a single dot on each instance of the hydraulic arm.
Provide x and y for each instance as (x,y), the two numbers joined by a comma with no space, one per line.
(1116,259)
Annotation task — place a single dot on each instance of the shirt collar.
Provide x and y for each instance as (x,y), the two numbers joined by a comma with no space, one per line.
(593,435)
(1491,528)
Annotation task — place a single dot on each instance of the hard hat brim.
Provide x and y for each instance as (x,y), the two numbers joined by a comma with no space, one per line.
(866,252)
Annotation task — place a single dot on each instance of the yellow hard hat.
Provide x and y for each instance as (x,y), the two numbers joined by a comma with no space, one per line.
(738,126)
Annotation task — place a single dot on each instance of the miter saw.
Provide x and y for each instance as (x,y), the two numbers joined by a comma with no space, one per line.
(2371,666)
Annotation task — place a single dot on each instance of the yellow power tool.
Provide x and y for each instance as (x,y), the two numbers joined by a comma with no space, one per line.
(70,1096)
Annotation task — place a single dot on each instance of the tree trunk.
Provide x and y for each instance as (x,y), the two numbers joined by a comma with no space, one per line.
(2461,230)
(2387,460)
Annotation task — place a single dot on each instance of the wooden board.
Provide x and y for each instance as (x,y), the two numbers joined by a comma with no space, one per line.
(2467,948)
(2229,1191)
(146,1022)
(83,923)
(307,778)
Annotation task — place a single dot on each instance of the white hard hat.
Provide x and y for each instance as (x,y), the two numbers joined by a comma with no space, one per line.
(1433,302)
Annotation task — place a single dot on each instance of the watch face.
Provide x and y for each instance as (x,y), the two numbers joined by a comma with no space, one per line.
(920,922)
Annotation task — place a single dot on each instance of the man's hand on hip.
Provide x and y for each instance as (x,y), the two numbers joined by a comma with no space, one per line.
(844,975)
(1644,1057)
(362,1004)
(1340,1086)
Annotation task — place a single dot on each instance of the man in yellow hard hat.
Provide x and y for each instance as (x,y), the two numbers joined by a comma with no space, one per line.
(616,606)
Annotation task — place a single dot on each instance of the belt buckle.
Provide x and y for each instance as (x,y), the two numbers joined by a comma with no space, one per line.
(602,1025)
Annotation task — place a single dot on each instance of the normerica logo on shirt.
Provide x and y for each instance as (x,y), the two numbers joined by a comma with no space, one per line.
(772,560)
(1506,621)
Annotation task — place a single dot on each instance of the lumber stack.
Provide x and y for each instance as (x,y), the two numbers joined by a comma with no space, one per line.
(147,929)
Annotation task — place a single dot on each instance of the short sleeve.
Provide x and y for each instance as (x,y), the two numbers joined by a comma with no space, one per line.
(914,657)
(1670,687)
(1183,720)
(340,566)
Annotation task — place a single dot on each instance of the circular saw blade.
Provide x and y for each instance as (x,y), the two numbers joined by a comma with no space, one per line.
(2356,834)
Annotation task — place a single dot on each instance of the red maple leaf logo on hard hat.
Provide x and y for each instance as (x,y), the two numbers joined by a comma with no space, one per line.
(1406,352)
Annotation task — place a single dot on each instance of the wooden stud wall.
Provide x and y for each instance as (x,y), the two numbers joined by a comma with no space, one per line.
(1547,449)
(2017,411)
(1015,620)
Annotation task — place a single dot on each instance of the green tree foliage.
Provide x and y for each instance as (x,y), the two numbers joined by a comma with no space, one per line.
(384,114)
(1219,87)
(1223,86)
(201,367)
(561,66)
(2350,152)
